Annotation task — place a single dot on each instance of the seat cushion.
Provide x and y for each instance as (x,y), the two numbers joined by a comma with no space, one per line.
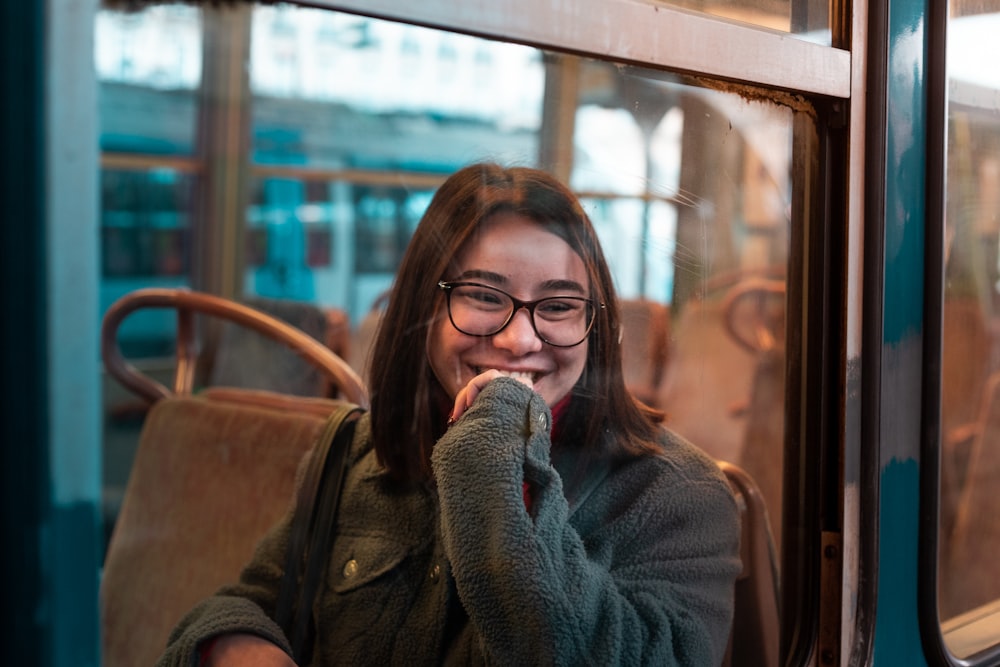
(210,477)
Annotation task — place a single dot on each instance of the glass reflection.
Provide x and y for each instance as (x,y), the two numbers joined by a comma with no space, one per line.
(969,575)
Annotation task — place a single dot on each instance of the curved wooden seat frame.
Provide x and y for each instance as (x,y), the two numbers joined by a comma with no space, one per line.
(187,303)
(759,296)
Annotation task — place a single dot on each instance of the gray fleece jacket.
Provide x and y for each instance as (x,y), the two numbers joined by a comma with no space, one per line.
(630,562)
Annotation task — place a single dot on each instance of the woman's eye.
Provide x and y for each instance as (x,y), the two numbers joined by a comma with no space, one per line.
(560,307)
(482,297)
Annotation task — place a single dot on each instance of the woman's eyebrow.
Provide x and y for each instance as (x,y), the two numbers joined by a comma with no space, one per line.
(563,285)
(553,285)
(483,275)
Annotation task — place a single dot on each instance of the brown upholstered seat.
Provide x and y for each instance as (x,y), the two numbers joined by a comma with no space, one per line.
(211,474)
(966,366)
(754,638)
(708,375)
(645,347)
(718,346)
(969,577)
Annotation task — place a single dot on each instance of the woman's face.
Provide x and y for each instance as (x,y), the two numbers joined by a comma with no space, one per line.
(513,254)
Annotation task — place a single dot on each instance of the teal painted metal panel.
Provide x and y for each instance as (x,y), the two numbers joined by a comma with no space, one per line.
(76,550)
(905,170)
(897,632)
(897,635)
(72,537)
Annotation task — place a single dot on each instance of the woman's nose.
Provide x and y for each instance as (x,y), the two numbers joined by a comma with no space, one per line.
(519,335)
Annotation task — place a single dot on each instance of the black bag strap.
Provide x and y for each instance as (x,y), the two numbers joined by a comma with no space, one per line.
(312,530)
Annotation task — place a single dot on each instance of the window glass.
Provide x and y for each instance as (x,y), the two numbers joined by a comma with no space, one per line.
(148,65)
(352,123)
(325,84)
(970,392)
(148,62)
(145,242)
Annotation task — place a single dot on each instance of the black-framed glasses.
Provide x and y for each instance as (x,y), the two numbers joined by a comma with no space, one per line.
(480,310)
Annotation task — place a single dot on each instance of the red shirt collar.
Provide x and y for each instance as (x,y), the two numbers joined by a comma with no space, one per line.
(558,412)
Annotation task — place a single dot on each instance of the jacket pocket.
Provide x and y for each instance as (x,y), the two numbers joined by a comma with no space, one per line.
(370,588)
(361,559)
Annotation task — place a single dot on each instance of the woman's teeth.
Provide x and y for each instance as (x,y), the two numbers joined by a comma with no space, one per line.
(517,375)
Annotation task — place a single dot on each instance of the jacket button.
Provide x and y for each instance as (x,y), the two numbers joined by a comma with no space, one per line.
(435,573)
(350,569)
(543,421)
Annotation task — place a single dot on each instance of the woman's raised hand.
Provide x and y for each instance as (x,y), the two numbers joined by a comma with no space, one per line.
(467,395)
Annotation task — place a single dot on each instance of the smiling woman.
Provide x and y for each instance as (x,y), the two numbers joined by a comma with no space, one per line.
(560,522)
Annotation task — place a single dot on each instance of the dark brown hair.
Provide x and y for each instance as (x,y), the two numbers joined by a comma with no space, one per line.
(407,401)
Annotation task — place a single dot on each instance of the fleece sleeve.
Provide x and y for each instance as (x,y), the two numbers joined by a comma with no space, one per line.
(651,580)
